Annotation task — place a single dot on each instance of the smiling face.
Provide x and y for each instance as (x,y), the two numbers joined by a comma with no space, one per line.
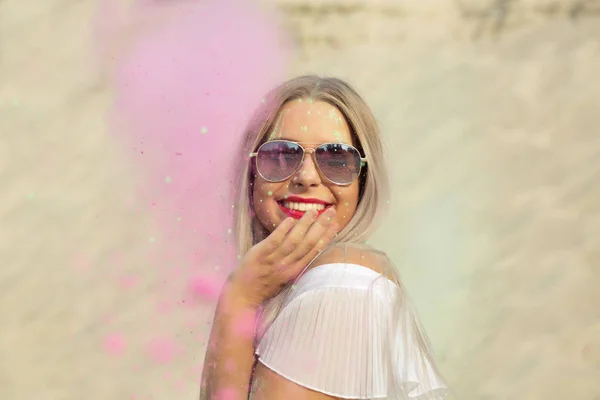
(310,124)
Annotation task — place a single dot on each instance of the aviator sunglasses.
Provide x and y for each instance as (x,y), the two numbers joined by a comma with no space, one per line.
(278,160)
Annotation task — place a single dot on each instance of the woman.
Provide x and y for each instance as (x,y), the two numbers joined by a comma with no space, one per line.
(311,184)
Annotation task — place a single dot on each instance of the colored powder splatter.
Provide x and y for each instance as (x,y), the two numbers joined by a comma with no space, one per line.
(129,281)
(186,77)
(114,344)
(205,287)
(162,350)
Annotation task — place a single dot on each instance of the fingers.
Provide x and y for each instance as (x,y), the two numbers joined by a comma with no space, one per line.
(294,243)
(313,253)
(296,235)
(314,240)
(274,241)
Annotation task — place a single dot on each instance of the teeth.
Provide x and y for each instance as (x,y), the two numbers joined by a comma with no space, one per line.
(303,206)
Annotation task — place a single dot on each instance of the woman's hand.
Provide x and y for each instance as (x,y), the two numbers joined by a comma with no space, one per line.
(271,264)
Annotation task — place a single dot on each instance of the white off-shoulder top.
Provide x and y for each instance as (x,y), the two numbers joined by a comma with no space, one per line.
(336,331)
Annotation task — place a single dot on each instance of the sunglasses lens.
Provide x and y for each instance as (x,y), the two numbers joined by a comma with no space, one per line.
(339,163)
(277,161)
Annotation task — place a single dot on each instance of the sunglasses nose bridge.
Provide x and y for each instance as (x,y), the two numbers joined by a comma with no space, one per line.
(311,153)
(308,153)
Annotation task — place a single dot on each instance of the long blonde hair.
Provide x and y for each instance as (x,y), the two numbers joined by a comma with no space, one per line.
(374,185)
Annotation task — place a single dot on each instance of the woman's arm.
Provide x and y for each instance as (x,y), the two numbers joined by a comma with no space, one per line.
(230,352)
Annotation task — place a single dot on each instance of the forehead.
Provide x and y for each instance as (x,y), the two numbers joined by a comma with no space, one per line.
(311,122)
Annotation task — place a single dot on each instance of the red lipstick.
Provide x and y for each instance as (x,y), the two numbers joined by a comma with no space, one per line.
(297,214)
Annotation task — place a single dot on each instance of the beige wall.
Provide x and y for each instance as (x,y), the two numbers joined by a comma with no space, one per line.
(490,112)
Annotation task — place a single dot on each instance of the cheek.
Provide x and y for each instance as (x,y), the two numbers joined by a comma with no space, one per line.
(347,204)
(345,212)
(262,194)
(264,202)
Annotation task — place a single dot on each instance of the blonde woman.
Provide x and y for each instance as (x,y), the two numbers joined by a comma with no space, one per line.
(312,312)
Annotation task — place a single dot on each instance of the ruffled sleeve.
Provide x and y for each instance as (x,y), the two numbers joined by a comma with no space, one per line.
(349,332)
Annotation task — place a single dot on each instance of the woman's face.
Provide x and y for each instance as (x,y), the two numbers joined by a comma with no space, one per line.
(310,124)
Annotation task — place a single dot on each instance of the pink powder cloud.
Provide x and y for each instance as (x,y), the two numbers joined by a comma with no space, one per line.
(114,344)
(205,287)
(129,281)
(185,85)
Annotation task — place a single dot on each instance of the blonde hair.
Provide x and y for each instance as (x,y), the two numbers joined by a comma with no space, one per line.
(374,184)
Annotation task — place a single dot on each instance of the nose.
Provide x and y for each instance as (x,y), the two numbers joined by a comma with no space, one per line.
(307,175)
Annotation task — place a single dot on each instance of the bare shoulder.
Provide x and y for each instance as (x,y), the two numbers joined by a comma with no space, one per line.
(355,253)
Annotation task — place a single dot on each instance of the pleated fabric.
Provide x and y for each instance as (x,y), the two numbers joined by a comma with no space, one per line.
(347,331)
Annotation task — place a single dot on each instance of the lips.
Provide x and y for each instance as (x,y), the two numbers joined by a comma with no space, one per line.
(297,214)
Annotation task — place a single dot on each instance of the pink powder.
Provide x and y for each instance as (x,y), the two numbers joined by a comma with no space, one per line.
(162,350)
(205,287)
(114,344)
(129,281)
(186,76)
(185,85)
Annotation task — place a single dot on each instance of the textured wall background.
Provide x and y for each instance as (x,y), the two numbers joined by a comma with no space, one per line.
(490,112)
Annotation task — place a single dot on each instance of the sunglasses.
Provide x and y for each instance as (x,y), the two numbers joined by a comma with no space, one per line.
(278,160)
